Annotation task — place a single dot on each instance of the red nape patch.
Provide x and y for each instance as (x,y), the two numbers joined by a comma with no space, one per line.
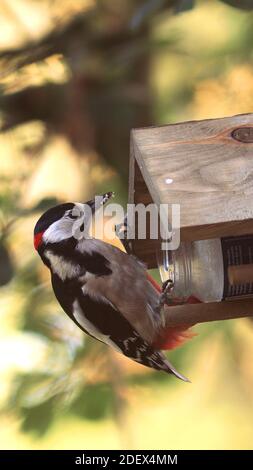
(37,240)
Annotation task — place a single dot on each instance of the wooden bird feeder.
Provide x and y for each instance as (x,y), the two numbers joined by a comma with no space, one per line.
(206,167)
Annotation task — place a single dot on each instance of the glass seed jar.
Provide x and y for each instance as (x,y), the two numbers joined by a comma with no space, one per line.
(209,270)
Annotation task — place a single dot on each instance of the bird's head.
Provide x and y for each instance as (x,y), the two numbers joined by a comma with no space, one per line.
(68,220)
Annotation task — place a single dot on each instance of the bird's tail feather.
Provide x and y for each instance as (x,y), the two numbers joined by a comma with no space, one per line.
(172,370)
(157,360)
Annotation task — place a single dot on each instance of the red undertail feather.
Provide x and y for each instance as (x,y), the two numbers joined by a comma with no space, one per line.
(171,338)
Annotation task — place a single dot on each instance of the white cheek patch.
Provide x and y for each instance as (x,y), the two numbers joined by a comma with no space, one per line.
(81,226)
(58,231)
(88,326)
(64,269)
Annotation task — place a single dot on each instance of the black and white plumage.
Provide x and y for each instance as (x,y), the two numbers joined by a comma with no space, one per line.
(103,290)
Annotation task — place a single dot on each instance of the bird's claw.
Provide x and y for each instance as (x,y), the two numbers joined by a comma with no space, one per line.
(165,298)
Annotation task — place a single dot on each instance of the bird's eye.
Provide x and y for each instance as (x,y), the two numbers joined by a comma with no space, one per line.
(72,216)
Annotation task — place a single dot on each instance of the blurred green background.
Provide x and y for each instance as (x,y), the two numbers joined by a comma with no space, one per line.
(75,78)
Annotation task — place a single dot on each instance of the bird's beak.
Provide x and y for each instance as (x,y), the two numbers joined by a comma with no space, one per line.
(99,201)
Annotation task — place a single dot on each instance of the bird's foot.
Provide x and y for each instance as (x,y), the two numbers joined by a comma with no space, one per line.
(165,297)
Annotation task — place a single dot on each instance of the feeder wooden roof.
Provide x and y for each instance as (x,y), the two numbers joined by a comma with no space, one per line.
(205,166)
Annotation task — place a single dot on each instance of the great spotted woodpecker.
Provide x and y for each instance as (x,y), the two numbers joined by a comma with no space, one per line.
(104,290)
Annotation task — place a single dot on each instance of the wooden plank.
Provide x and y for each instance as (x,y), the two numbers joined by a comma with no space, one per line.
(209,171)
(190,314)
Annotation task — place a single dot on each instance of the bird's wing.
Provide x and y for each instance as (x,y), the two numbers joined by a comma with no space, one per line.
(126,287)
(101,320)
